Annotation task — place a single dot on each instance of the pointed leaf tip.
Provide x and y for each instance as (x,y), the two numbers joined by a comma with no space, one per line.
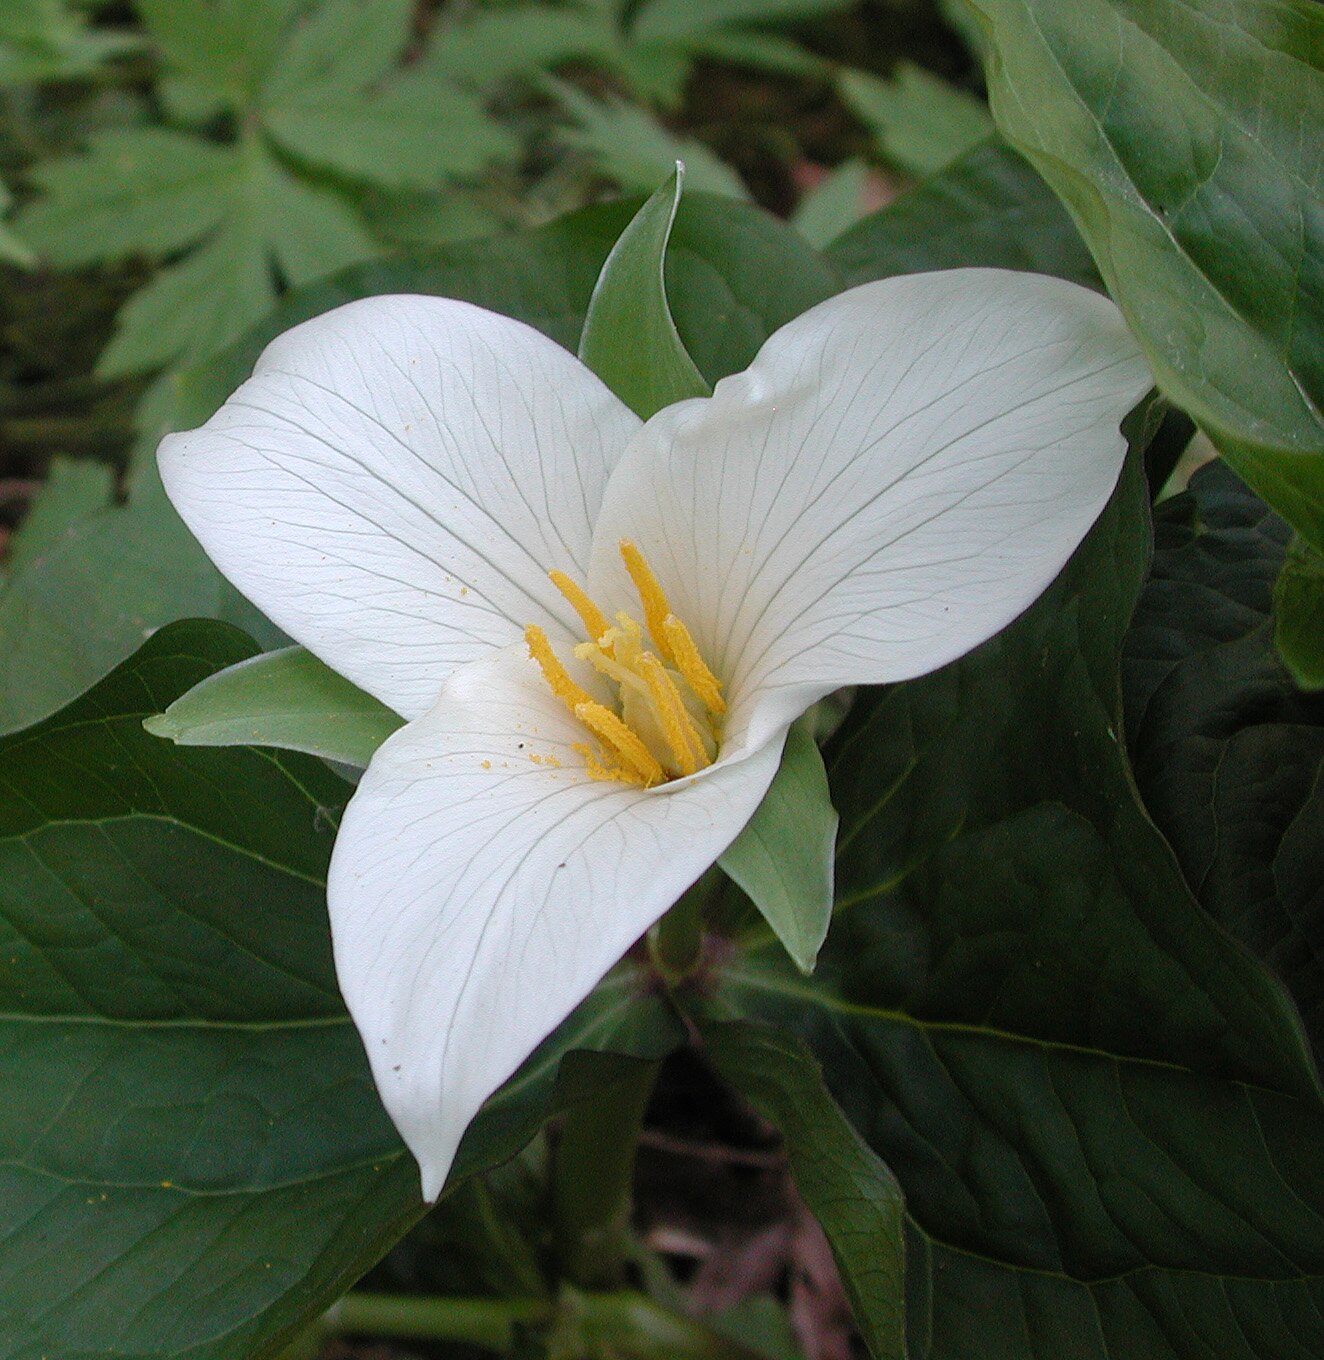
(630,339)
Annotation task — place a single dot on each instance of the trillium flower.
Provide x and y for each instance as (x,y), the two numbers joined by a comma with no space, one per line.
(599,629)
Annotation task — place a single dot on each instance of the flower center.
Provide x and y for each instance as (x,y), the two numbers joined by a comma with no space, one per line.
(666,721)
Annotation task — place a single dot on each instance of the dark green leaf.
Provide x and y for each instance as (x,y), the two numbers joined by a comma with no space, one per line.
(1298,606)
(1183,138)
(286,699)
(851,1193)
(199,1163)
(1229,754)
(782,860)
(989,208)
(1100,1106)
(629,339)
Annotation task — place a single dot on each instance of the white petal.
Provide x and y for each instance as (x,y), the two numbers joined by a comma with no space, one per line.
(395,481)
(477,896)
(899,473)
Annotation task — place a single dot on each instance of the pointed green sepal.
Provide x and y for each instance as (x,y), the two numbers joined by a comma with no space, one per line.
(782,860)
(286,698)
(629,339)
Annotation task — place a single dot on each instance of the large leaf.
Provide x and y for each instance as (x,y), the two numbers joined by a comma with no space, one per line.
(1184,138)
(1298,606)
(1099,1105)
(193,1160)
(1229,753)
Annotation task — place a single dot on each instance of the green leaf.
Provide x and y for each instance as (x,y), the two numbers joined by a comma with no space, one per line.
(339,47)
(288,699)
(629,146)
(411,133)
(832,207)
(42,40)
(851,1193)
(193,308)
(677,20)
(782,860)
(762,51)
(13,249)
(1229,754)
(196,307)
(988,208)
(134,191)
(919,121)
(629,339)
(1098,1104)
(493,45)
(199,1164)
(1298,606)
(74,491)
(221,46)
(1181,137)
(310,231)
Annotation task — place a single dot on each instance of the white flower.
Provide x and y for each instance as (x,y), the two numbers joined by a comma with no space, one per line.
(898,474)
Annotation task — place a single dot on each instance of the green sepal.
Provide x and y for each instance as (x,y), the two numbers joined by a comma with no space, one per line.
(629,339)
(782,860)
(287,698)
(1298,614)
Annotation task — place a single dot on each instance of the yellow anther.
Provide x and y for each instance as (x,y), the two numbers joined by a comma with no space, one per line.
(594,620)
(676,724)
(691,665)
(634,755)
(595,769)
(651,595)
(565,689)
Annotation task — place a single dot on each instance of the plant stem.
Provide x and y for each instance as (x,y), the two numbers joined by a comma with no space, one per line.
(593,1175)
(624,1323)
(488,1323)
(629,1324)
(676,942)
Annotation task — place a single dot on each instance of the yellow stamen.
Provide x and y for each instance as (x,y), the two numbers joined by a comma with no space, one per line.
(691,665)
(565,689)
(594,620)
(677,725)
(603,723)
(651,595)
(595,769)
